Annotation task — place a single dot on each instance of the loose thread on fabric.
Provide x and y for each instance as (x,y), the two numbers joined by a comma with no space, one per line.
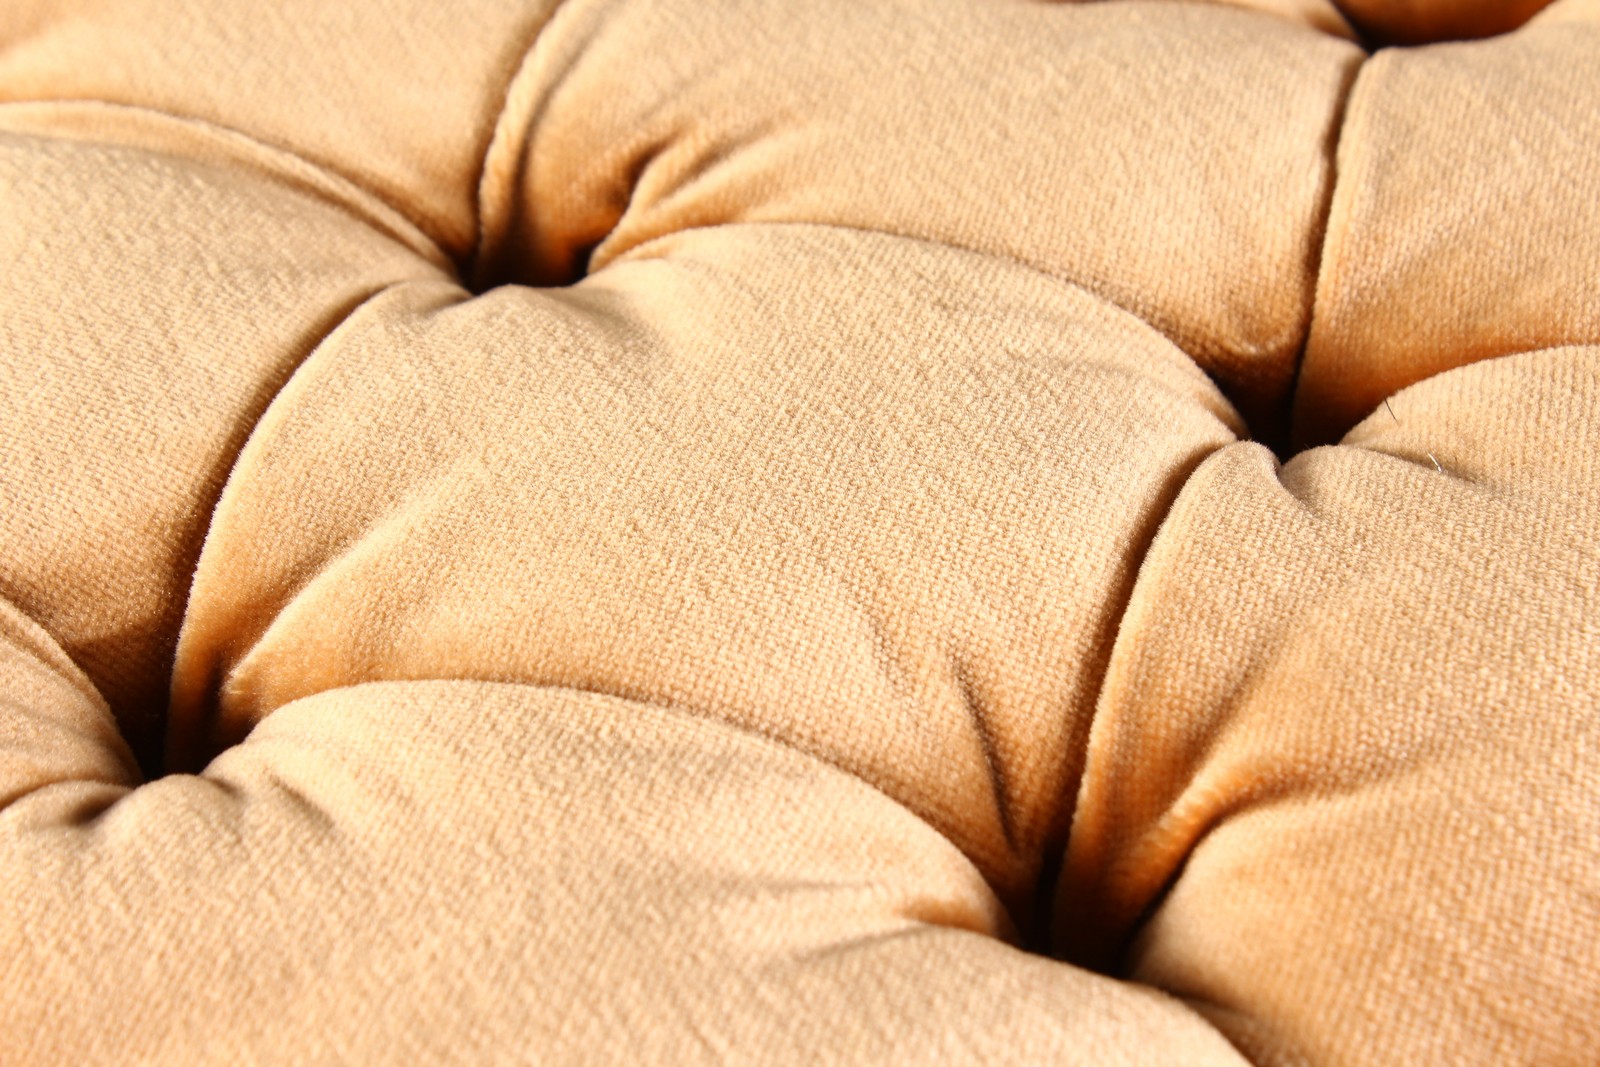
(1396,419)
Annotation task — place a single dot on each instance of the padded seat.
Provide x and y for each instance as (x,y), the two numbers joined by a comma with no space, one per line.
(860,532)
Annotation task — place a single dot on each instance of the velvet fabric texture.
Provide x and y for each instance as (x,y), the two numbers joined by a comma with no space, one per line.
(863,531)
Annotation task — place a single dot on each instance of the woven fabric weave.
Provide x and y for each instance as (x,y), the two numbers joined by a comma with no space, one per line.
(674,531)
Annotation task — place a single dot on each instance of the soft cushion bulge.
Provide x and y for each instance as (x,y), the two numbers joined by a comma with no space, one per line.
(748,532)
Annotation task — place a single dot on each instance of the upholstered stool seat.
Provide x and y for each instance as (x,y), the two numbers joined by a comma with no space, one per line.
(679,531)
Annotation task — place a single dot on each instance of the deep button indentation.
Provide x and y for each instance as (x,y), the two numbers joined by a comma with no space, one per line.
(853,115)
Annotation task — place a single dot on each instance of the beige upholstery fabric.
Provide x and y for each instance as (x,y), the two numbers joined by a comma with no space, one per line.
(1431,258)
(667,531)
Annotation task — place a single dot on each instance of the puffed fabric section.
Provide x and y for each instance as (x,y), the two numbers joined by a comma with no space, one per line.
(719,531)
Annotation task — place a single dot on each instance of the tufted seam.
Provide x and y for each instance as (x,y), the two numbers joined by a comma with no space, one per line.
(504,203)
(936,814)
(1033,929)
(1333,216)
(500,166)
(332,323)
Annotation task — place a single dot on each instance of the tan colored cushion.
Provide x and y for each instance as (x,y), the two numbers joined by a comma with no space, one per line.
(645,530)
(1463,226)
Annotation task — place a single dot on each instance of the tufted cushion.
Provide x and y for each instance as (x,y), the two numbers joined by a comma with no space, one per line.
(682,531)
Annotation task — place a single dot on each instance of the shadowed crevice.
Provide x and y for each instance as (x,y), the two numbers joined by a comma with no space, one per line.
(991,752)
(176,755)
(1283,439)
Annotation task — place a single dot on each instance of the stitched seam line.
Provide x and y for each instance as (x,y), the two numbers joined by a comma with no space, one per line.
(337,319)
(1324,246)
(501,156)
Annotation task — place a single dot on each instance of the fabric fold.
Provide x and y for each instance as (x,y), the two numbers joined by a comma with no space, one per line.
(460,872)
(153,303)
